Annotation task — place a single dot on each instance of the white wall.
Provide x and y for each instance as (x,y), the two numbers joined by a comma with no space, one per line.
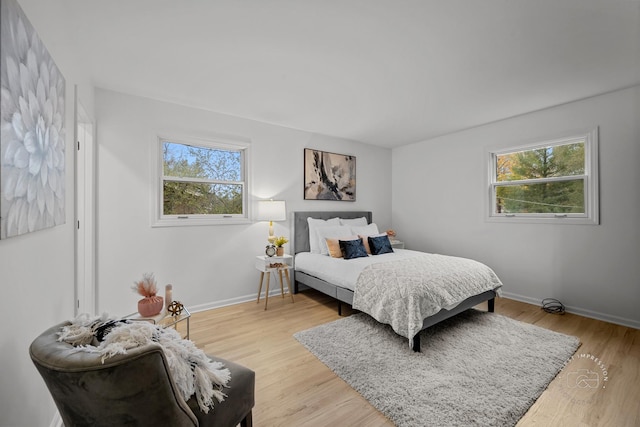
(592,268)
(37,269)
(207,265)
(439,188)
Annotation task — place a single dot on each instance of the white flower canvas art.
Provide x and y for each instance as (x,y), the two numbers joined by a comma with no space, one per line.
(32,142)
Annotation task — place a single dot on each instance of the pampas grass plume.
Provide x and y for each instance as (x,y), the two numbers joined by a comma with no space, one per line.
(147,286)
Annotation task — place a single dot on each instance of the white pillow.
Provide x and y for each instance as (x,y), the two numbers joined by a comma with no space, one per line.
(315,224)
(355,222)
(335,232)
(367,230)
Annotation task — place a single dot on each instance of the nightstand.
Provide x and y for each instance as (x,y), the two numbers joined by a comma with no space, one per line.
(397,244)
(275,264)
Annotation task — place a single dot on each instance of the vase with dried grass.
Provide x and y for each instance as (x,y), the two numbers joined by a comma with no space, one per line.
(151,304)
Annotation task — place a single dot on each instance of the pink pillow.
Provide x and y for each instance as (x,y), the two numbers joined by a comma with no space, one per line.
(334,245)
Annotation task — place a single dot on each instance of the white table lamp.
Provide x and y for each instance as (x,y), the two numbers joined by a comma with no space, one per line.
(272,210)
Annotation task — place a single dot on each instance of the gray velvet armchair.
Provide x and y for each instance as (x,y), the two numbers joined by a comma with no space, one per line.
(134,389)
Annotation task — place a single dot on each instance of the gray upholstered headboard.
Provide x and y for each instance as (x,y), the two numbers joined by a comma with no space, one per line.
(301,226)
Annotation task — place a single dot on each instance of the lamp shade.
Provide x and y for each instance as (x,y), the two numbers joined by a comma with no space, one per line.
(272,210)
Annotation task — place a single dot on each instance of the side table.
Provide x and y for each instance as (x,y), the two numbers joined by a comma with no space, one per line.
(275,264)
(165,319)
(397,244)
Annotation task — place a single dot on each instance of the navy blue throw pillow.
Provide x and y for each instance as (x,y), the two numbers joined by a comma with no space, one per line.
(352,248)
(380,245)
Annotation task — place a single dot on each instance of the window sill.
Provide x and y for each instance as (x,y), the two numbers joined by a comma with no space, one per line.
(516,219)
(189,222)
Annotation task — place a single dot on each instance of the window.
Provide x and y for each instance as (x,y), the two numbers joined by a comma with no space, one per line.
(201,182)
(552,181)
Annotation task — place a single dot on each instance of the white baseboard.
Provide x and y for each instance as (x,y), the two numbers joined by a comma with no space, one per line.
(231,301)
(580,311)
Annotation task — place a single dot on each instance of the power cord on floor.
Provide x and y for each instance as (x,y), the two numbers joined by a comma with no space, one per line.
(553,306)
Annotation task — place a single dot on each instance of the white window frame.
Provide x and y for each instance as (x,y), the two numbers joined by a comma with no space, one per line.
(591,186)
(158,219)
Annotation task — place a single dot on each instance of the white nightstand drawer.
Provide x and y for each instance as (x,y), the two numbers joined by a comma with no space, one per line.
(264,263)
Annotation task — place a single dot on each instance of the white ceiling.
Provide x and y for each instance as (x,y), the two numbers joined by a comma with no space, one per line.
(384,72)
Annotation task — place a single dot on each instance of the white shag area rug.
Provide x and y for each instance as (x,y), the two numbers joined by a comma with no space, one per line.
(476,369)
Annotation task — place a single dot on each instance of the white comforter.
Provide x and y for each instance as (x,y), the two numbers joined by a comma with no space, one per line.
(344,272)
(402,293)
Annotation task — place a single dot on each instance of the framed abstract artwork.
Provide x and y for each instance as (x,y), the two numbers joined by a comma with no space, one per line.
(329,176)
(32,143)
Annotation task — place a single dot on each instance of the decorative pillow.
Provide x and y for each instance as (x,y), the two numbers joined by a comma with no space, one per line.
(354,222)
(366,240)
(352,249)
(333,232)
(380,244)
(334,246)
(367,230)
(314,225)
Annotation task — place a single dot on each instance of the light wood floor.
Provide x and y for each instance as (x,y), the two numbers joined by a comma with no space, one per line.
(293,388)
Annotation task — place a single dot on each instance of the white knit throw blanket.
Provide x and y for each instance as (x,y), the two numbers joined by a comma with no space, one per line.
(191,369)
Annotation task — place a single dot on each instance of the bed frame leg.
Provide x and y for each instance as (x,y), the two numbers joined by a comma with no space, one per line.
(416,343)
(339,308)
(492,305)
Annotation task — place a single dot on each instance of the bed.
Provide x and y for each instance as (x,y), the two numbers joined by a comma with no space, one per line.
(340,278)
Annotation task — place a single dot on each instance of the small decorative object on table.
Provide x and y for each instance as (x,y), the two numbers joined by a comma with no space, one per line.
(391,233)
(175,308)
(270,250)
(279,242)
(168,295)
(151,304)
